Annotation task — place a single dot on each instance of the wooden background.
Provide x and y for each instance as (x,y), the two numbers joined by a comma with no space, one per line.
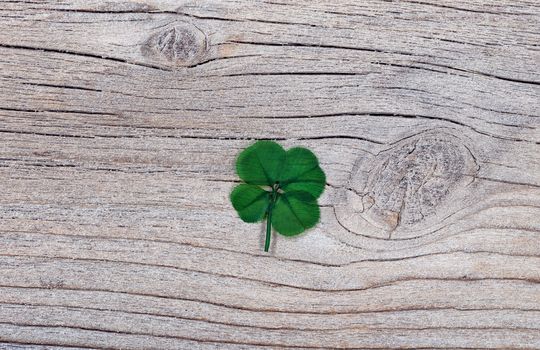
(119,125)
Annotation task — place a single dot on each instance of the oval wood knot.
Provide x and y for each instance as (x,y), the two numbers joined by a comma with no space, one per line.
(406,187)
(182,44)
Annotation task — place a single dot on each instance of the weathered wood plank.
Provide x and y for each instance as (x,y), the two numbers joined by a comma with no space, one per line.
(120,123)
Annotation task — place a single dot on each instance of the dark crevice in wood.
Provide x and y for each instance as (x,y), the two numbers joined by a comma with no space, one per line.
(69,87)
(85,54)
(328,115)
(247,138)
(224,180)
(254,20)
(377,63)
(85,168)
(467,10)
(21,2)
(159,336)
(198,64)
(506,181)
(42,343)
(399,115)
(10,109)
(202,137)
(272,284)
(338,114)
(157,11)
(321,73)
(345,137)
(43,134)
(511,125)
(115,12)
(227,306)
(245,342)
(132,136)
(451,41)
(285,328)
(505,137)
(271,258)
(201,17)
(514,80)
(321,46)
(499,111)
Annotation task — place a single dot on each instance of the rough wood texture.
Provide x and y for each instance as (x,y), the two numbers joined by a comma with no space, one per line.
(120,123)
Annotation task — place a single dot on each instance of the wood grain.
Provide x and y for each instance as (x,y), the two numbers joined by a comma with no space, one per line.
(119,127)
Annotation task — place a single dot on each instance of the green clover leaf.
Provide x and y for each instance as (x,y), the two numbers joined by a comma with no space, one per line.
(281,186)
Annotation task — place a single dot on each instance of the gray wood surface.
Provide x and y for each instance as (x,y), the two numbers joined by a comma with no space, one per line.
(119,125)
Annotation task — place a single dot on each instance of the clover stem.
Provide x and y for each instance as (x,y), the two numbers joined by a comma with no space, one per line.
(268,228)
(273,199)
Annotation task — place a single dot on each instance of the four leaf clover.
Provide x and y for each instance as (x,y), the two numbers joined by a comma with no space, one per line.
(280,186)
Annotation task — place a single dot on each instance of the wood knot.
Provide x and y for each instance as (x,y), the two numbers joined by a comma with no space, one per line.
(405,187)
(182,44)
